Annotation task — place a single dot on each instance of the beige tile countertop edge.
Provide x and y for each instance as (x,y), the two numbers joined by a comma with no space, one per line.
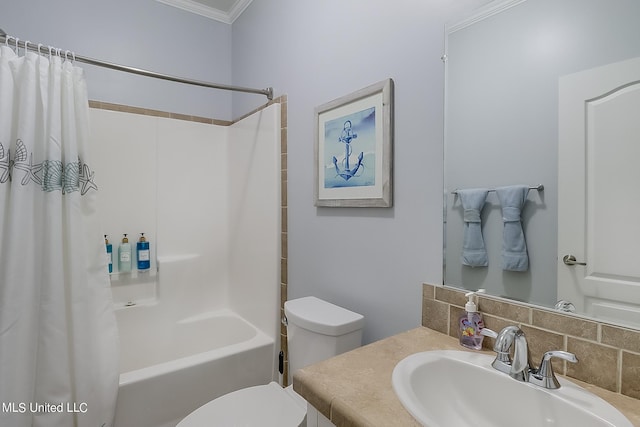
(354,388)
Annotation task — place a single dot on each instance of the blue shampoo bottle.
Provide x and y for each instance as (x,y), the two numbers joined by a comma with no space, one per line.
(109,247)
(143,255)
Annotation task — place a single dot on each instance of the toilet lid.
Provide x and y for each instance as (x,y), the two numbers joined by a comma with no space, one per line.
(264,405)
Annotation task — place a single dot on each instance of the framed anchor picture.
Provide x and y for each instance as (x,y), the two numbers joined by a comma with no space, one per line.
(354,149)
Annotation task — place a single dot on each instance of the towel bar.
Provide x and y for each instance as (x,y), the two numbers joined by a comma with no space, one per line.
(539,187)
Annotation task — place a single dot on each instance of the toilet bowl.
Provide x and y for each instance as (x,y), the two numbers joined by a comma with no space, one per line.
(267,405)
(316,330)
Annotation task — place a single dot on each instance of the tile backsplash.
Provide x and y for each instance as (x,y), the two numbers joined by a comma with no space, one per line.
(609,356)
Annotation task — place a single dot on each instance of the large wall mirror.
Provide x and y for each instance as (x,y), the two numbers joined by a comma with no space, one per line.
(546,92)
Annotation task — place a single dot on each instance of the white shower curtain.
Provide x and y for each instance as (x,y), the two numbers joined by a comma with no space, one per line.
(58,336)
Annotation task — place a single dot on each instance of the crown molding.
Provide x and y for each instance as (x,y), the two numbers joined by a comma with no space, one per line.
(209,12)
(482,13)
(238,8)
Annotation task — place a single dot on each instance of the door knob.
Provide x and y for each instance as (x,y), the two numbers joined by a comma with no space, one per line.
(571,260)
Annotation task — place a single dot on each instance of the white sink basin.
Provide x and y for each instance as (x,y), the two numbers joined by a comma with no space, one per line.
(459,388)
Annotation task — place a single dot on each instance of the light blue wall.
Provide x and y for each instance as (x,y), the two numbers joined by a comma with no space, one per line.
(142,33)
(370,260)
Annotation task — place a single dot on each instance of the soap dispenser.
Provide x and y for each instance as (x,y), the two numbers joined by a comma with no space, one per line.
(142,252)
(124,255)
(471,323)
(109,248)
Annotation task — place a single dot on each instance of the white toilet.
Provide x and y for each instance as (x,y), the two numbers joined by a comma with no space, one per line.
(316,330)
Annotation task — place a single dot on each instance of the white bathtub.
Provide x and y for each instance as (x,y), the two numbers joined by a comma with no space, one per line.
(170,368)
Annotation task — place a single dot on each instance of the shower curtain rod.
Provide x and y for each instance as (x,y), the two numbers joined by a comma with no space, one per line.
(4,37)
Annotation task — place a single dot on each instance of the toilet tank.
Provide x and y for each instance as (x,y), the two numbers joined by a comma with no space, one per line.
(318,330)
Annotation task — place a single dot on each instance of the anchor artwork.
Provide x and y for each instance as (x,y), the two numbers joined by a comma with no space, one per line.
(346,137)
(343,135)
(353,149)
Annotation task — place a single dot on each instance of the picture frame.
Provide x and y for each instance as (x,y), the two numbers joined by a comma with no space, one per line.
(354,149)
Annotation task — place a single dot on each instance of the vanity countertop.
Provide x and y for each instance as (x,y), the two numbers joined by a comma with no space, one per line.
(354,388)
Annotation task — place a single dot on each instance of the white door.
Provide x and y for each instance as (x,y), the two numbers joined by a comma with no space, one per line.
(599,191)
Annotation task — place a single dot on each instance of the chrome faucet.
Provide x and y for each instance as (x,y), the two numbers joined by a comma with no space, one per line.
(520,368)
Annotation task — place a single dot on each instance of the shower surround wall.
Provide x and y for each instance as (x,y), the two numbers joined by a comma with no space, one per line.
(207,195)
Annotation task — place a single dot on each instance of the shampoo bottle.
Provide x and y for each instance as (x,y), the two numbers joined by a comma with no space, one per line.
(124,255)
(142,251)
(471,324)
(109,247)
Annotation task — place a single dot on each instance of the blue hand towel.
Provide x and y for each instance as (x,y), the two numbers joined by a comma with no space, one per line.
(474,253)
(514,247)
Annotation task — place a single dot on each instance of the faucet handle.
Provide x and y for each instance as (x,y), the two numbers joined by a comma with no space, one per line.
(544,376)
(488,333)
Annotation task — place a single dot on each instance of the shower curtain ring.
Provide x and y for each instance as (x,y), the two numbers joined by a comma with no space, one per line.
(26,46)
(50,49)
(17,39)
(39,47)
(66,55)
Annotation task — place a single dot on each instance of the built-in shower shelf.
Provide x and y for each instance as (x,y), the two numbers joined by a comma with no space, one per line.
(132,277)
(134,287)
